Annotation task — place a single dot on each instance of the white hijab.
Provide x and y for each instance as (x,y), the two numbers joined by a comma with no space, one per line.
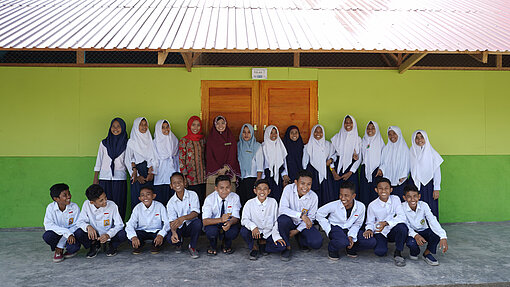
(166,145)
(141,143)
(319,151)
(274,152)
(346,144)
(371,149)
(395,157)
(424,160)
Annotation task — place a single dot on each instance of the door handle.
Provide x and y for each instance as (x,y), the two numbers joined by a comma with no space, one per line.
(254,127)
(264,127)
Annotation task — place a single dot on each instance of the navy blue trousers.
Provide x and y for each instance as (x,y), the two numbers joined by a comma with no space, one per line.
(311,238)
(142,170)
(52,239)
(116,191)
(213,232)
(163,193)
(191,230)
(398,234)
(367,192)
(339,240)
(271,247)
(144,235)
(83,238)
(432,242)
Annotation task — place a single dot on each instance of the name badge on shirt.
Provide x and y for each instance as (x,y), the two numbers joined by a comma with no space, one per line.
(106,222)
(229,210)
(71,220)
(157,214)
(422,222)
(304,212)
(228,143)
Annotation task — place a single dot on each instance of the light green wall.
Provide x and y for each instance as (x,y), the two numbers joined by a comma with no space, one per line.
(55,118)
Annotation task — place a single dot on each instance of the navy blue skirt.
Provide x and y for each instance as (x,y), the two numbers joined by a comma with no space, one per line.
(427,195)
(324,190)
(163,193)
(354,178)
(116,191)
(136,187)
(367,189)
(276,189)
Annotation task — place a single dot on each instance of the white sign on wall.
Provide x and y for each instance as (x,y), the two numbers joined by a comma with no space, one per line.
(259,73)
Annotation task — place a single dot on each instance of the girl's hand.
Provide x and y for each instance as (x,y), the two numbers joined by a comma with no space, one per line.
(379,173)
(402,179)
(150,177)
(329,162)
(286,180)
(355,156)
(140,179)
(346,175)
(335,175)
(435,195)
(134,176)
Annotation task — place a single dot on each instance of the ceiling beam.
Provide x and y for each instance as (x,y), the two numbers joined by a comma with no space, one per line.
(482,57)
(80,57)
(296,60)
(188,60)
(411,61)
(162,57)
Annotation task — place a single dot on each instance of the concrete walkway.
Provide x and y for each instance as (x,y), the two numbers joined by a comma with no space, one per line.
(479,253)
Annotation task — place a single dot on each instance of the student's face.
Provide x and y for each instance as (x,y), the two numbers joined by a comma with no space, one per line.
(412,198)
(220,125)
(384,190)
(370,130)
(294,135)
(348,124)
(223,188)
(101,201)
(303,184)
(146,196)
(262,191)
(64,198)
(347,197)
(195,127)
(393,136)
(419,140)
(177,183)
(165,128)
(116,129)
(273,135)
(246,134)
(318,133)
(143,126)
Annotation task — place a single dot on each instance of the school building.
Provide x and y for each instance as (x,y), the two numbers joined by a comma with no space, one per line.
(68,67)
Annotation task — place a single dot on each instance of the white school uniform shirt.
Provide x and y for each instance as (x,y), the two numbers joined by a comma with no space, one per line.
(425,162)
(176,208)
(140,148)
(103,220)
(319,151)
(262,215)
(417,220)
(390,211)
(150,219)
(212,205)
(346,144)
(395,159)
(275,154)
(338,216)
(61,222)
(103,162)
(293,206)
(371,151)
(166,149)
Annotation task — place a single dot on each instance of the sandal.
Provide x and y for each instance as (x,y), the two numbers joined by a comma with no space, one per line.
(211,252)
(228,250)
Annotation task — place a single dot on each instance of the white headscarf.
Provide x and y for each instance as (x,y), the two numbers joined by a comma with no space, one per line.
(319,151)
(424,160)
(346,143)
(371,149)
(395,157)
(274,152)
(141,143)
(166,145)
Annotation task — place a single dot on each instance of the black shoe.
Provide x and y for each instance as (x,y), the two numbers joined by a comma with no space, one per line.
(155,249)
(254,254)
(333,255)
(262,250)
(304,248)
(351,253)
(94,249)
(285,255)
(110,251)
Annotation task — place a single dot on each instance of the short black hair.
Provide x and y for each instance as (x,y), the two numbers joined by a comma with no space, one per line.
(410,187)
(177,174)
(56,189)
(348,185)
(260,181)
(383,179)
(93,192)
(222,177)
(304,173)
(148,187)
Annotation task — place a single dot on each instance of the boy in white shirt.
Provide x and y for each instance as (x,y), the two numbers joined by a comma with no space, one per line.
(298,207)
(259,222)
(183,209)
(100,223)
(147,222)
(220,215)
(386,216)
(418,214)
(341,220)
(60,223)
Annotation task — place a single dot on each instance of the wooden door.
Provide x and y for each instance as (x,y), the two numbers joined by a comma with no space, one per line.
(286,103)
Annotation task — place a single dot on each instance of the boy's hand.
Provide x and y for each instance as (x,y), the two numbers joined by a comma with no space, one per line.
(255,233)
(225,217)
(351,243)
(368,234)
(71,239)
(443,244)
(135,242)
(91,232)
(293,232)
(175,237)
(226,225)
(150,177)
(140,179)
(346,175)
(281,241)
(307,221)
(103,238)
(176,223)
(435,194)
(158,241)
(381,224)
(379,173)
(420,240)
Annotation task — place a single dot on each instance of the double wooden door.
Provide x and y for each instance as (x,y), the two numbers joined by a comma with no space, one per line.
(261,103)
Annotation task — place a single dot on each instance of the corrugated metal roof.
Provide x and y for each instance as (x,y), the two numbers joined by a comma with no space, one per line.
(248,25)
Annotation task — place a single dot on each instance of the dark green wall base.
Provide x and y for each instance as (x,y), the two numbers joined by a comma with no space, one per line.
(474,188)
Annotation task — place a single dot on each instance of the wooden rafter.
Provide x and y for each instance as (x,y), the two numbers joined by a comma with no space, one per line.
(482,57)
(80,57)
(162,57)
(296,60)
(386,60)
(411,61)
(188,58)
(499,61)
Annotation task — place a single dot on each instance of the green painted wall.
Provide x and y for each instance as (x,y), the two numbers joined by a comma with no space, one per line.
(55,118)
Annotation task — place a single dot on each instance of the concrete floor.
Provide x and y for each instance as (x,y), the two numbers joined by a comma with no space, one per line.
(479,253)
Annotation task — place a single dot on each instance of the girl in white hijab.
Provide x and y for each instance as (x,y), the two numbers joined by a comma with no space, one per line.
(140,158)
(347,145)
(275,165)
(318,155)
(371,149)
(425,169)
(395,164)
(166,147)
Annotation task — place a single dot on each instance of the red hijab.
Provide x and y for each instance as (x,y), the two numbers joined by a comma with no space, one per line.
(191,136)
(221,149)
